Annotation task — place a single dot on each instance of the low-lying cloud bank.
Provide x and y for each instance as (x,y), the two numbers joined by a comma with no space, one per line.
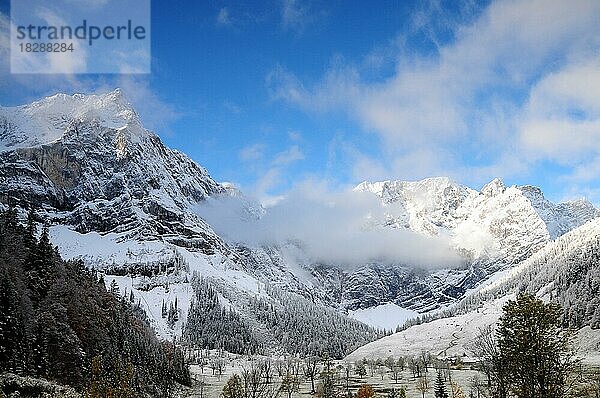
(340,228)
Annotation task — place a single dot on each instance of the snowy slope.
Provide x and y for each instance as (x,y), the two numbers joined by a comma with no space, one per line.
(566,271)
(445,337)
(494,229)
(47,120)
(124,203)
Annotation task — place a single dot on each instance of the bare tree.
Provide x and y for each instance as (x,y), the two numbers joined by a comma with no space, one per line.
(289,385)
(414,365)
(396,373)
(218,366)
(423,385)
(202,361)
(280,367)
(310,369)
(202,385)
(489,362)
(267,370)
(401,363)
(426,359)
(477,387)
(372,364)
(292,366)
(254,386)
(347,373)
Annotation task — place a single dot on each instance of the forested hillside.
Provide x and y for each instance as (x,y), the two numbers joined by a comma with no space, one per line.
(58,322)
(566,272)
(273,321)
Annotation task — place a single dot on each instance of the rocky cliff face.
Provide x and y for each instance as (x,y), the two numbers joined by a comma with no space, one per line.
(122,200)
(494,229)
(88,162)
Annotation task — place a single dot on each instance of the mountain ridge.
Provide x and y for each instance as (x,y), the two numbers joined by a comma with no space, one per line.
(104,181)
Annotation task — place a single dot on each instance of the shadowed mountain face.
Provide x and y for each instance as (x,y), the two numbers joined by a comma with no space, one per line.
(88,166)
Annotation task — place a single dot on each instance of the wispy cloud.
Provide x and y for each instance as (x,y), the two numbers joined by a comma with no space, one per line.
(288,156)
(252,152)
(270,170)
(493,89)
(298,15)
(157,114)
(293,15)
(224,17)
(333,226)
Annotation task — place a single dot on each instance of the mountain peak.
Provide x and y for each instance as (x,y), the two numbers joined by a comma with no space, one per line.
(48,119)
(494,187)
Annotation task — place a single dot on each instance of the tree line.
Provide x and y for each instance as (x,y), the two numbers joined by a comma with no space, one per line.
(58,322)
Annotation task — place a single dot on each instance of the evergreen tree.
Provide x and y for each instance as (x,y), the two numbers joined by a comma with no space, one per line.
(327,387)
(440,386)
(56,319)
(534,349)
(114,288)
(234,388)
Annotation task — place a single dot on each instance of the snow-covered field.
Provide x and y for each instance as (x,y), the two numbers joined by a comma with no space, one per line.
(444,337)
(587,342)
(386,316)
(454,337)
(213,384)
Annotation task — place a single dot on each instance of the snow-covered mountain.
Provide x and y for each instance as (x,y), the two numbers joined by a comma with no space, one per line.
(88,161)
(126,204)
(494,229)
(499,223)
(566,271)
(115,195)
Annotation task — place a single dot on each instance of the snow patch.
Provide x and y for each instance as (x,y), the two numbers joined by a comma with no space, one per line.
(386,316)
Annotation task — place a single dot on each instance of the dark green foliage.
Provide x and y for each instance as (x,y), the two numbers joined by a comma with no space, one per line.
(302,327)
(533,349)
(440,386)
(234,388)
(211,326)
(55,317)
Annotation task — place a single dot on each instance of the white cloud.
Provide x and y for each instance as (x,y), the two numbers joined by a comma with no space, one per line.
(461,110)
(562,117)
(295,136)
(294,16)
(4,35)
(68,62)
(224,17)
(252,152)
(333,227)
(156,113)
(88,3)
(271,171)
(288,156)
(266,182)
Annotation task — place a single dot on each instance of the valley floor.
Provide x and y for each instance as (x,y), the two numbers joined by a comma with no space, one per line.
(213,384)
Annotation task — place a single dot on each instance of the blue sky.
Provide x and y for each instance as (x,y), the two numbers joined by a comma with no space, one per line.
(269,94)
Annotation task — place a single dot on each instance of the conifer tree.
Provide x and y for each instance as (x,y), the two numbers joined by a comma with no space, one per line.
(440,386)
(234,388)
(534,349)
